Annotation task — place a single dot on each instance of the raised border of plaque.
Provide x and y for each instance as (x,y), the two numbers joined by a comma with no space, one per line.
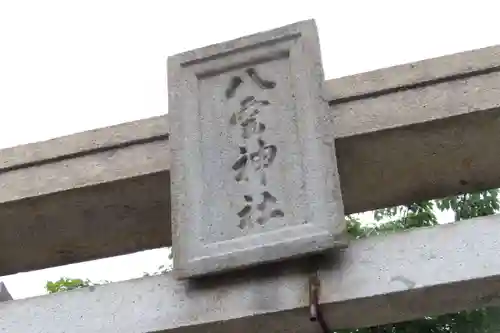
(253,169)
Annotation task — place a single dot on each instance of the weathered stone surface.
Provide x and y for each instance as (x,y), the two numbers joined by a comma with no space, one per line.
(382,279)
(414,75)
(4,293)
(425,135)
(54,195)
(253,166)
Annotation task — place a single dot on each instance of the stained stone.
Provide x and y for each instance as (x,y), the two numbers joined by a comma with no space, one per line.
(253,167)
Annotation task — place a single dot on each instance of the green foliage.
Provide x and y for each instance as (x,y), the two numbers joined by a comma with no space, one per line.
(471,204)
(394,219)
(162,269)
(412,216)
(66,284)
(418,215)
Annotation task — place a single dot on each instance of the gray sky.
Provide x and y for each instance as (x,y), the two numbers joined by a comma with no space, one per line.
(69,66)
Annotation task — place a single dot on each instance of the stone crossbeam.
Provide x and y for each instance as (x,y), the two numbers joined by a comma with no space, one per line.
(382,279)
(407,133)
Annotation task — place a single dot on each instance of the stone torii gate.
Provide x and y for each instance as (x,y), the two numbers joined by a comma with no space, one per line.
(219,143)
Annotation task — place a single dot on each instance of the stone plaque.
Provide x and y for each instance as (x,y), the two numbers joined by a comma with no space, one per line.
(253,166)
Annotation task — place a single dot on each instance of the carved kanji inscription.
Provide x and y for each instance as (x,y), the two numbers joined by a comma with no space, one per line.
(247,117)
(259,212)
(253,172)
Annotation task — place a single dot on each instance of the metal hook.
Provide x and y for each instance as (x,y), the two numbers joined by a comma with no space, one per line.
(315,313)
